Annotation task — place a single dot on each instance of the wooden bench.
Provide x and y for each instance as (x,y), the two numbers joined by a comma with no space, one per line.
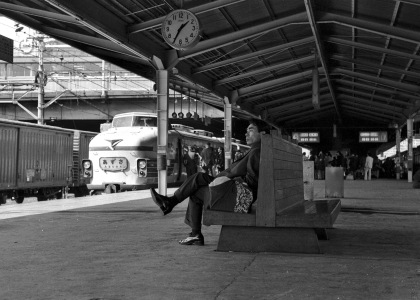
(280,220)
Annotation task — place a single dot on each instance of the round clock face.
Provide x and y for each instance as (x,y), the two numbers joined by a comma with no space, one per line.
(180,29)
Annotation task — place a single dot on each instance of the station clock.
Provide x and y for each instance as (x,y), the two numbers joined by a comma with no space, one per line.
(181,29)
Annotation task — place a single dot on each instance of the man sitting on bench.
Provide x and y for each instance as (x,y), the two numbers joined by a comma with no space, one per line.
(230,195)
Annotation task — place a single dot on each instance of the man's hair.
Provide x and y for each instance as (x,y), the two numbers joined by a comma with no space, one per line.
(261,125)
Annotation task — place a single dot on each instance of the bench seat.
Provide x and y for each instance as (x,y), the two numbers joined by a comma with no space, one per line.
(280,220)
(313,214)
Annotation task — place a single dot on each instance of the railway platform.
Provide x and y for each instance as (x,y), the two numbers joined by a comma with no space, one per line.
(118,246)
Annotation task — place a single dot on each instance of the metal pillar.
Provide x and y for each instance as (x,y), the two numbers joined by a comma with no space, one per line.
(162,80)
(228,132)
(398,154)
(410,150)
(41,76)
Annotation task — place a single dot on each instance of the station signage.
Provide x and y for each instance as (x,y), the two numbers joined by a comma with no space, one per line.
(373,137)
(306,137)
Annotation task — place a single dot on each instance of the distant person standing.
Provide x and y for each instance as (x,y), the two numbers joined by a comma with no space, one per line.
(207,159)
(191,161)
(368,166)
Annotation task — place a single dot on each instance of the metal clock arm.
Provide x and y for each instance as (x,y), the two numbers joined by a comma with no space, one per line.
(179,30)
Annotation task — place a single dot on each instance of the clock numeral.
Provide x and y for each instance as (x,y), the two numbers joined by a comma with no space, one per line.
(186,40)
(174,17)
(169,22)
(193,28)
(192,21)
(181,15)
(167,28)
(169,36)
(191,35)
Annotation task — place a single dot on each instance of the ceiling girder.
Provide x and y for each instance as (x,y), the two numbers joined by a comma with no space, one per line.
(261,70)
(321,53)
(366,116)
(374,113)
(275,82)
(296,106)
(306,112)
(239,36)
(407,35)
(293,88)
(107,25)
(370,96)
(155,23)
(38,13)
(369,104)
(283,100)
(367,63)
(90,40)
(317,117)
(253,55)
(391,92)
(387,82)
(372,48)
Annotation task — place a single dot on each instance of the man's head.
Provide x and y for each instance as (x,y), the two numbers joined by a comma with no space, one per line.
(254,131)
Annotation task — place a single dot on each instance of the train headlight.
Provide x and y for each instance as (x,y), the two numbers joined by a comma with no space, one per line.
(87,164)
(142,164)
(87,168)
(142,167)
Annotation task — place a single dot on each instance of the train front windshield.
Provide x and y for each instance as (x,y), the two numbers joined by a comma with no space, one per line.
(134,121)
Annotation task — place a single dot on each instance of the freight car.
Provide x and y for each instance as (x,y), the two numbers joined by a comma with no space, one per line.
(41,161)
(123,157)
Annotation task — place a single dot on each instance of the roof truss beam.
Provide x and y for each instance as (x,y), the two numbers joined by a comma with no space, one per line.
(321,54)
(155,23)
(283,100)
(274,67)
(239,36)
(252,55)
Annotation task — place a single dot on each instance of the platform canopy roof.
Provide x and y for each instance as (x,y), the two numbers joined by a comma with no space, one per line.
(259,54)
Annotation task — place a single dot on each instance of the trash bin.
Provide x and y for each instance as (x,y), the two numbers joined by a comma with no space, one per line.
(308,180)
(334,182)
(416,180)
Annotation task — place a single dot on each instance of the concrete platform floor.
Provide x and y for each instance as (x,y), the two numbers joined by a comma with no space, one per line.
(118,247)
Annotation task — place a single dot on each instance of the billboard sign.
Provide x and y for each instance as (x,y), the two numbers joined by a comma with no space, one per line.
(373,137)
(306,137)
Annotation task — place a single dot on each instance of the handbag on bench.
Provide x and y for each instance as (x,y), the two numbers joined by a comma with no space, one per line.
(221,191)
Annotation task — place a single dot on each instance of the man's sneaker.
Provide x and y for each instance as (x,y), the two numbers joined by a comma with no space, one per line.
(197,239)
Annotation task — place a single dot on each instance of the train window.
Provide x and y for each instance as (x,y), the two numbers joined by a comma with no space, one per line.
(122,122)
(144,121)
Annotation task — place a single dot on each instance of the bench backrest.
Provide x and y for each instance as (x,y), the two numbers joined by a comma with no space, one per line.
(280,183)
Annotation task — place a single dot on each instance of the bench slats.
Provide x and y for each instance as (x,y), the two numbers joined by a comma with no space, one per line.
(266,212)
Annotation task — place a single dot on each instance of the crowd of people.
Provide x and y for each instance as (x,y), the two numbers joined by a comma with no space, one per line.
(207,160)
(355,166)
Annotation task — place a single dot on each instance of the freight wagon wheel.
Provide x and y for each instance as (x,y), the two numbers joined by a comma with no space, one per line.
(19,199)
(18,196)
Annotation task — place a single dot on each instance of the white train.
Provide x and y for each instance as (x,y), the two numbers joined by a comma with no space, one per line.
(123,157)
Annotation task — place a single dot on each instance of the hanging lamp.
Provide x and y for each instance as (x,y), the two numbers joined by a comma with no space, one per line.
(181,114)
(189,104)
(174,115)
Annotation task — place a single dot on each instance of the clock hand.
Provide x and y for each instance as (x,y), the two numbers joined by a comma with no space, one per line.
(179,30)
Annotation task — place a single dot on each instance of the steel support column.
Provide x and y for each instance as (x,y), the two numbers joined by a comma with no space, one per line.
(398,154)
(410,150)
(162,80)
(228,132)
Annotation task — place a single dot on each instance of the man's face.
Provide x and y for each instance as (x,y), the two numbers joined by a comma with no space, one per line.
(252,135)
